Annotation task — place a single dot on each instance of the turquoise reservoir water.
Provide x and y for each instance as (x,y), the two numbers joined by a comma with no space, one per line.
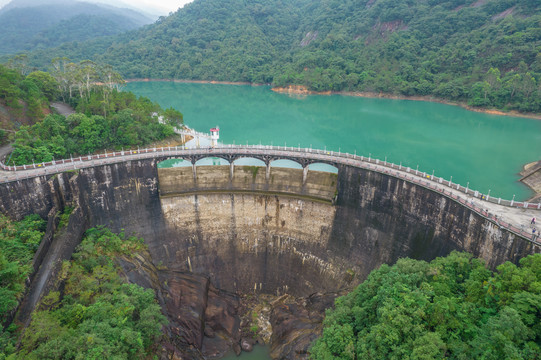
(485,150)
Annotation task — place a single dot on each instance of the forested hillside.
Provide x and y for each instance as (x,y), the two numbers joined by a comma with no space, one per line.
(24,99)
(485,52)
(106,118)
(60,22)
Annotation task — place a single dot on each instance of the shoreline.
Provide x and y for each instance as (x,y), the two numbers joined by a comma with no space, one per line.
(194,81)
(302,90)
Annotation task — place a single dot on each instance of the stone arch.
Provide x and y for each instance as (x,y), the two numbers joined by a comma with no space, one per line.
(249,161)
(323,166)
(287,163)
(174,162)
(212,160)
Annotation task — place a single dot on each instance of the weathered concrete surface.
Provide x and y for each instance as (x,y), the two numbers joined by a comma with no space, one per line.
(183,180)
(250,242)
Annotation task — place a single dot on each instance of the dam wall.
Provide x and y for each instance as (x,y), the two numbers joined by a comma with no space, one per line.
(258,236)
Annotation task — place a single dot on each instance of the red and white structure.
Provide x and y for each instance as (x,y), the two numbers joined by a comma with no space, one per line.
(214,136)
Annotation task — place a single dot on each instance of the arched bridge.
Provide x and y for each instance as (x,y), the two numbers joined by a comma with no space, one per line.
(512,215)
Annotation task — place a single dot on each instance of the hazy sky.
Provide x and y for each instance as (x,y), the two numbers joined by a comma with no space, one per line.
(164,6)
(169,5)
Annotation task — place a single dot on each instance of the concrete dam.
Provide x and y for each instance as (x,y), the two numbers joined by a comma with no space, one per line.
(252,229)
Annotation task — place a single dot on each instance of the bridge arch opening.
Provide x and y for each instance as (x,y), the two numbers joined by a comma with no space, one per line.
(323,167)
(209,161)
(171,163)
(248,161)
(285,163)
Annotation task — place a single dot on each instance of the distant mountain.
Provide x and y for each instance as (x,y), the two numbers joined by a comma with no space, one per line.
(153,10)
(485,52)
(61,21)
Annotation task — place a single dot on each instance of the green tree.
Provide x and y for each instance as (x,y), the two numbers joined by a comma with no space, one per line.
(46,83)
(452,307)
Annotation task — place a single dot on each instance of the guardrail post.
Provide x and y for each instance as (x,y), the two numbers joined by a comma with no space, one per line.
(499,200)
(417,170)
(488,195)
(513,200)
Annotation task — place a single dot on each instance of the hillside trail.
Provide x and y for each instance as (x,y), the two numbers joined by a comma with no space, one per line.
(63,108)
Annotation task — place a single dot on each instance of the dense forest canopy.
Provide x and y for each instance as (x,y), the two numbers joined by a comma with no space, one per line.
(485,52)
(24,96)
(450,308)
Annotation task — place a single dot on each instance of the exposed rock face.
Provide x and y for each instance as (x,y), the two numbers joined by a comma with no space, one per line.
(258,242)
(296,323)
(203,321)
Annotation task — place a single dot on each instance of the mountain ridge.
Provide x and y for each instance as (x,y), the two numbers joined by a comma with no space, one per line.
(19,30)
(483,52)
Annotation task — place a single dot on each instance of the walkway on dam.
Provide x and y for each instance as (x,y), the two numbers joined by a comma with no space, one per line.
(513,215)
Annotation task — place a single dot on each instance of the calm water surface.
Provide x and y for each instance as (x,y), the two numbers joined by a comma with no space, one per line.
(485,150)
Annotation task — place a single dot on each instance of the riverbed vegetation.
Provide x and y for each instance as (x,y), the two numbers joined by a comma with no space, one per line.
(105,118)
(450,308)
(481,52)
(96,314)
